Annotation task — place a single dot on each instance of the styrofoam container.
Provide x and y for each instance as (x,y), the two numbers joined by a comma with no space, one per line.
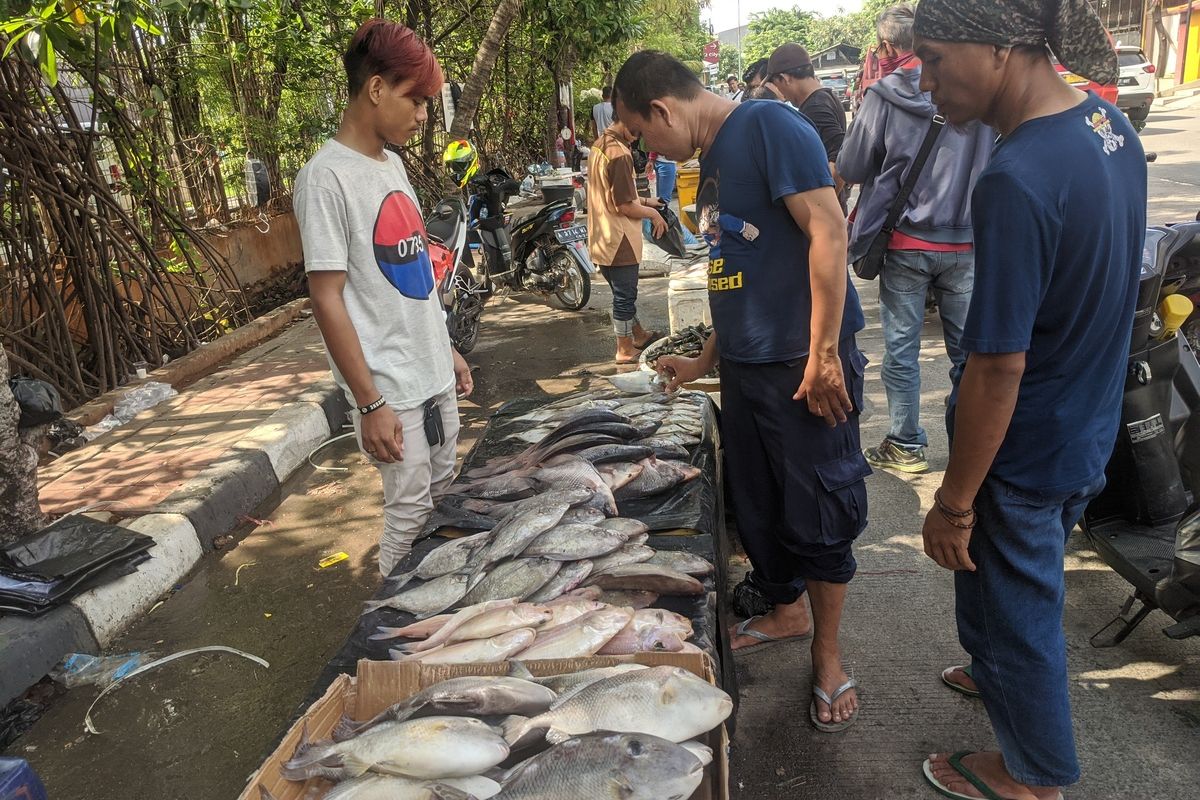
(687,301)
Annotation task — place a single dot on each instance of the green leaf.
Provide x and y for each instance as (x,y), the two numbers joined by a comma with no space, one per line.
(148,26)
(48,60)
(157,94)
(49,10)
(15,40)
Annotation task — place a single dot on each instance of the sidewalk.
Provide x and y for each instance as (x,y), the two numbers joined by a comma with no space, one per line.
(186,472)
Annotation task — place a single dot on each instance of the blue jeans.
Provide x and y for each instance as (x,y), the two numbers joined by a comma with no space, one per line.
(904,281)
(624,284)
(1010,620)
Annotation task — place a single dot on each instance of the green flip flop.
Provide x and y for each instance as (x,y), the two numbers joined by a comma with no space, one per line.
(958,687)
(956,762)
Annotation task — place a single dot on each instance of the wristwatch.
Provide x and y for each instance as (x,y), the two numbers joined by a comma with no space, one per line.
(367,409)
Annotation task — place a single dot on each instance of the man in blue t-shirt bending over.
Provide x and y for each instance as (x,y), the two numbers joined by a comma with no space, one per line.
(785,315)
(1059,219)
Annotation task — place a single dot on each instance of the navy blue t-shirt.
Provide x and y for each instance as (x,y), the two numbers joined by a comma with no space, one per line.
(1060,218)
(758,286)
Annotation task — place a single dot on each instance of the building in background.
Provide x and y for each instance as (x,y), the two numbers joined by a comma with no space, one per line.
(1171,39)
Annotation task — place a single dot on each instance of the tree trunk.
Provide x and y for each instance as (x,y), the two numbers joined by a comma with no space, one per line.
(20,513)
(481,72)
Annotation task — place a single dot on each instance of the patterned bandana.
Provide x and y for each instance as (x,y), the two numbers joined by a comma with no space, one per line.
(1071,29)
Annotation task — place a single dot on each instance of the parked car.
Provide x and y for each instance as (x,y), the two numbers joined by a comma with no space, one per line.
(840,87)
(1135,87)
(1104,91)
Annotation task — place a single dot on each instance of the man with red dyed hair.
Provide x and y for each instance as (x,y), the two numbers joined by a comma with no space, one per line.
(371,281)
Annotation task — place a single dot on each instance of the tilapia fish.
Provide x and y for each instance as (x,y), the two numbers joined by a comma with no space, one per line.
(570,470)
(664,701)
(647,578)
(580,637)
(477,651)
(584,516)
(574,542)
(680,561)
(607,765)
(432,597)
(430,747)
(657,477)
(449,557)
(514,534)
(607,453)
(572,496)
(664,448)
(513,486)
(620,474)
(518,578)
(577,429)
(475,696)
(566,579)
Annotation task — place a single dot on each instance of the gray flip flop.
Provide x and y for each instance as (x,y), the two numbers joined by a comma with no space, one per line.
(819,694)
(764,639)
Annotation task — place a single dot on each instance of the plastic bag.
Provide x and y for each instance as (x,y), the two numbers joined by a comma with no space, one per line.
(672,239)
(39,401)
(82,669)
(129,405)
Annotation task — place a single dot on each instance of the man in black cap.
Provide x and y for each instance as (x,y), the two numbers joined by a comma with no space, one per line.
(1059,219)
(790,70)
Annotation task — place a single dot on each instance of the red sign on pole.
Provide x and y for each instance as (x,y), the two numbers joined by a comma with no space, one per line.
(712,52)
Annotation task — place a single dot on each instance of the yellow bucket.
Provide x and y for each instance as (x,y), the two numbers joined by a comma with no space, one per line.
(688,183)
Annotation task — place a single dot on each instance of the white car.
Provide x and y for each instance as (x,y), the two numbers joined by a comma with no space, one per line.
(1135,87)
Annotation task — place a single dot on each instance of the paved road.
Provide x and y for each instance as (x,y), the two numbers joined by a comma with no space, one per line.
(198,729)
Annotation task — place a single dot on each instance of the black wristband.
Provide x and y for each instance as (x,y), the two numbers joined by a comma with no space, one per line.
(367,409)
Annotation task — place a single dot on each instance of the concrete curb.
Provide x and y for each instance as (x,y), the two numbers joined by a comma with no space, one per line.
(183,526)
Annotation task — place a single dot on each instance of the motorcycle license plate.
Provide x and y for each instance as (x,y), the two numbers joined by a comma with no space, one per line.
(577,233)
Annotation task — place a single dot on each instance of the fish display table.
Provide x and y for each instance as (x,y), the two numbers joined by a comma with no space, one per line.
(688,517)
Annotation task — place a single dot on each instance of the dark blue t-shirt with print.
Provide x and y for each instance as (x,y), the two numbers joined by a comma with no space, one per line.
(1060,219)
(758,282)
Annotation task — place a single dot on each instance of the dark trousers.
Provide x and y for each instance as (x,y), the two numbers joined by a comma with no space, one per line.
(797,485)
(624,284)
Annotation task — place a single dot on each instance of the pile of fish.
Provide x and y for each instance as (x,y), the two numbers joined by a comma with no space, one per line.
(570,627)
(623,731)
(533,555)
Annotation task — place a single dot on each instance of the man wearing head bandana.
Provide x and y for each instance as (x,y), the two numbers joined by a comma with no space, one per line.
(1059,219)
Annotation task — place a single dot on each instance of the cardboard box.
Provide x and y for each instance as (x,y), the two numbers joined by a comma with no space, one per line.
(381,683)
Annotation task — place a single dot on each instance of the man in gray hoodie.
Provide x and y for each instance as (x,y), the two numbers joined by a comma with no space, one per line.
(931,247)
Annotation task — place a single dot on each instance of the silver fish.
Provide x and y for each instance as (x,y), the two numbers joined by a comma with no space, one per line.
(429,747)
(449,557)
(518,578)
(574,542)
(647,578)
(432,597)
(663,701)
(567,578)
(620,474)
(395,787)
(444,632)
(664,448)
(632,640)
(607,453)
(512,486)
(607,765)
(624,525)
(584,516)
(474,696)
(629,554)
(477,651)
(571,470)
(627,599)
(567,608)
(515,533)
(680,561)
(657,477)
(569,681)
(580,637)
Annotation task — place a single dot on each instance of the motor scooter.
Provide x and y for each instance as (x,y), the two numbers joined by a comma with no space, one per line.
(1146,522)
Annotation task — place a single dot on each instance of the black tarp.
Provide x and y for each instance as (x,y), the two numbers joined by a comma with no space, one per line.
(48,567)
(690,518)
